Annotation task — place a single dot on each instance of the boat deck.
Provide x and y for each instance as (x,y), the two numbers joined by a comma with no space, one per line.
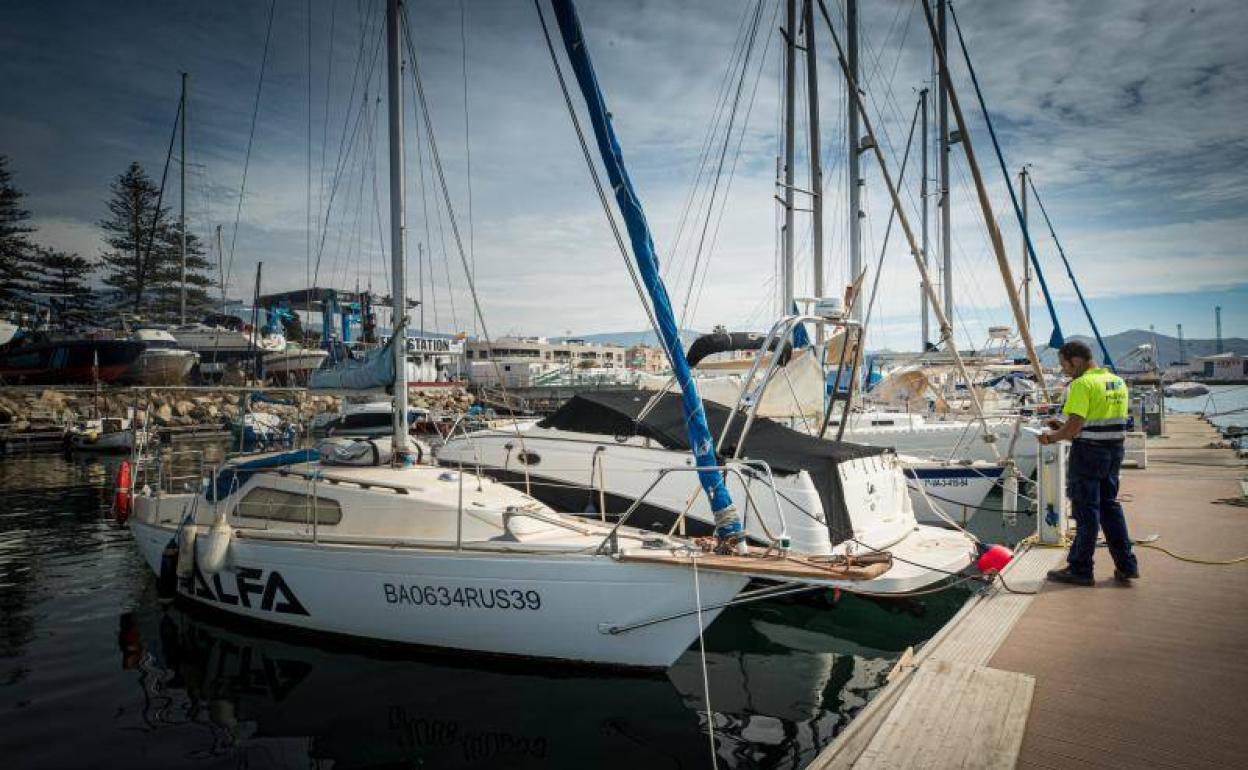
(1150,674)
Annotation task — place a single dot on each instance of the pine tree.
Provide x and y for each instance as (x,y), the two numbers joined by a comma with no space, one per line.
(65,275)
(167,276)
(15,248)
(131,263)
(145,265)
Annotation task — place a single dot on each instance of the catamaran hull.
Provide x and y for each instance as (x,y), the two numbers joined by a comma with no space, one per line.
(500,604)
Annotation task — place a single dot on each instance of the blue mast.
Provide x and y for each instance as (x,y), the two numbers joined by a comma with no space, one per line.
(700,441)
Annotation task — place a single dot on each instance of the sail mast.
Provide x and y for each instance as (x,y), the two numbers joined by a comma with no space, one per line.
(923,309)
(942,120)
(182,217)
(816,168)
(790,106)
(1022,192)
(855,173)
(398,282)
(994,232)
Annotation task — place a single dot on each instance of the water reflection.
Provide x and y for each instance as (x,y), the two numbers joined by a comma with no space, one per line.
(255,698)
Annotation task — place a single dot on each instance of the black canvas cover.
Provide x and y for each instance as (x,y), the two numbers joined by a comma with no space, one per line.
(614,413)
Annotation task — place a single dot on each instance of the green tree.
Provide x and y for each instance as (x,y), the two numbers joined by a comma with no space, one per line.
(65,276)
(143,263)
(132,256)
(167,276)
(15,248)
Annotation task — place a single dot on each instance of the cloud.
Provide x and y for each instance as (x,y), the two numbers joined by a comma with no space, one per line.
(1130,112)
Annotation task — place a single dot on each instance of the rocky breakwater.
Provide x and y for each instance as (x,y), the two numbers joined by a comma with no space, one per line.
(26,410)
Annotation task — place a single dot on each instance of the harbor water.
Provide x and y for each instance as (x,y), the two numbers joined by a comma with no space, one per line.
(95,671)
(1225,405)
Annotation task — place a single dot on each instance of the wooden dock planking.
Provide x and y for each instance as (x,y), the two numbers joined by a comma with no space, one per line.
(953,715)
(1146,675)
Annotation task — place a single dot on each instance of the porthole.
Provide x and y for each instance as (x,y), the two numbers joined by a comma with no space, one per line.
(529,458)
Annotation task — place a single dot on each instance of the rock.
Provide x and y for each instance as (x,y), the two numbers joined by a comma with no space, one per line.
(183,408)
(20,426)
(163,415)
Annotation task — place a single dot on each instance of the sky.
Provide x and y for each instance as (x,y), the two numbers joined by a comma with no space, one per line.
(1129,113)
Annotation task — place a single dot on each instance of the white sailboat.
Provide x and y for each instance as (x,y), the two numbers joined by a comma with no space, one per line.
(428,556)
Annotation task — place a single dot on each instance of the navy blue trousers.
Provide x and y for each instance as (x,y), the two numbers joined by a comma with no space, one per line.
(1092,485)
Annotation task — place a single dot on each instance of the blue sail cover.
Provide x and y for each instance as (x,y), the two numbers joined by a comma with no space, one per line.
(373,372)
(700,440)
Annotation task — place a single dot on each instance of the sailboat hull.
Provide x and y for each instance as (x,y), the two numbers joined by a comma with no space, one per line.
(557,607)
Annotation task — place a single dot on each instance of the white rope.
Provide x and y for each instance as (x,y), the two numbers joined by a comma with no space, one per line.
(706,682)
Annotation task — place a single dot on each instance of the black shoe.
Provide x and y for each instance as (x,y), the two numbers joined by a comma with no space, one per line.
(1123,577)
(1074,578)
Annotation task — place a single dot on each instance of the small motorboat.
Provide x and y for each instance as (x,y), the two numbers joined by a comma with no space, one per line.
(1187,389)
(109,434)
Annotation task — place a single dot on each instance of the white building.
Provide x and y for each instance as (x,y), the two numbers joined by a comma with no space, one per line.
(573,353)
(1231,367)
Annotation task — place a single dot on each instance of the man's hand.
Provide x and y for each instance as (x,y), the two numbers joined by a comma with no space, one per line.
(1053,423)
(1045,438)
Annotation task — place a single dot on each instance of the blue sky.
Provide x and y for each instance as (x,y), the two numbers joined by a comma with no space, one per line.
(1131,114)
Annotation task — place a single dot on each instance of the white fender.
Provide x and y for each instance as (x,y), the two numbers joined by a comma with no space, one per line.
(186,551)
(216,548)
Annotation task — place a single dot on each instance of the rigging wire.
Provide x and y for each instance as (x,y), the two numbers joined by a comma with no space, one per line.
(598,186)
(251,136)
(463,39)
(672,269)
(719,169)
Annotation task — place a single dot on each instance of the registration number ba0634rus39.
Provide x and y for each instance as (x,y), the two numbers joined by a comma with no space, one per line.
(417,595)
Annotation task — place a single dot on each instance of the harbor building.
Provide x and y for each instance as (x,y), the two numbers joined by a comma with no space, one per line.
(570,352)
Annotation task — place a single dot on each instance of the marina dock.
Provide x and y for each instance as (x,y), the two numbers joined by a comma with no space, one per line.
(1149,674)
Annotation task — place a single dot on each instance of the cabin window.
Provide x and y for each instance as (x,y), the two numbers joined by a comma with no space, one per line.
(280,505)
(529,458)
(883,422)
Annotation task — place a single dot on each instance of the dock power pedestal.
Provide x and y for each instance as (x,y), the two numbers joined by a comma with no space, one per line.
(1053,507)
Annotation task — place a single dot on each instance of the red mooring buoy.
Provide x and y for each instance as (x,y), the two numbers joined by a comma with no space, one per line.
(993,559)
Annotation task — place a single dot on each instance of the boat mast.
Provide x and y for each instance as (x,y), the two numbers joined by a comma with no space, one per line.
(398,319)
(994,232)
(946,332)
(1022,191)
(925,246)
(790,64)
(816,167)
(182,216)
(942,121)
(855,144)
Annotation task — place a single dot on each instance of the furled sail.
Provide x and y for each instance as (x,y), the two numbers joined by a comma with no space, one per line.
(700,440)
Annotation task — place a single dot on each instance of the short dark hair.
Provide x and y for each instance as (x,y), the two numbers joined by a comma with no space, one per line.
(1075,349)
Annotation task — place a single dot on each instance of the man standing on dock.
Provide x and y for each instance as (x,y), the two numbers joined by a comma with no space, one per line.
(1096,424)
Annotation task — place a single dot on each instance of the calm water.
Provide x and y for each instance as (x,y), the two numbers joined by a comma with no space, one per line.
(1227,405)
(94,672)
